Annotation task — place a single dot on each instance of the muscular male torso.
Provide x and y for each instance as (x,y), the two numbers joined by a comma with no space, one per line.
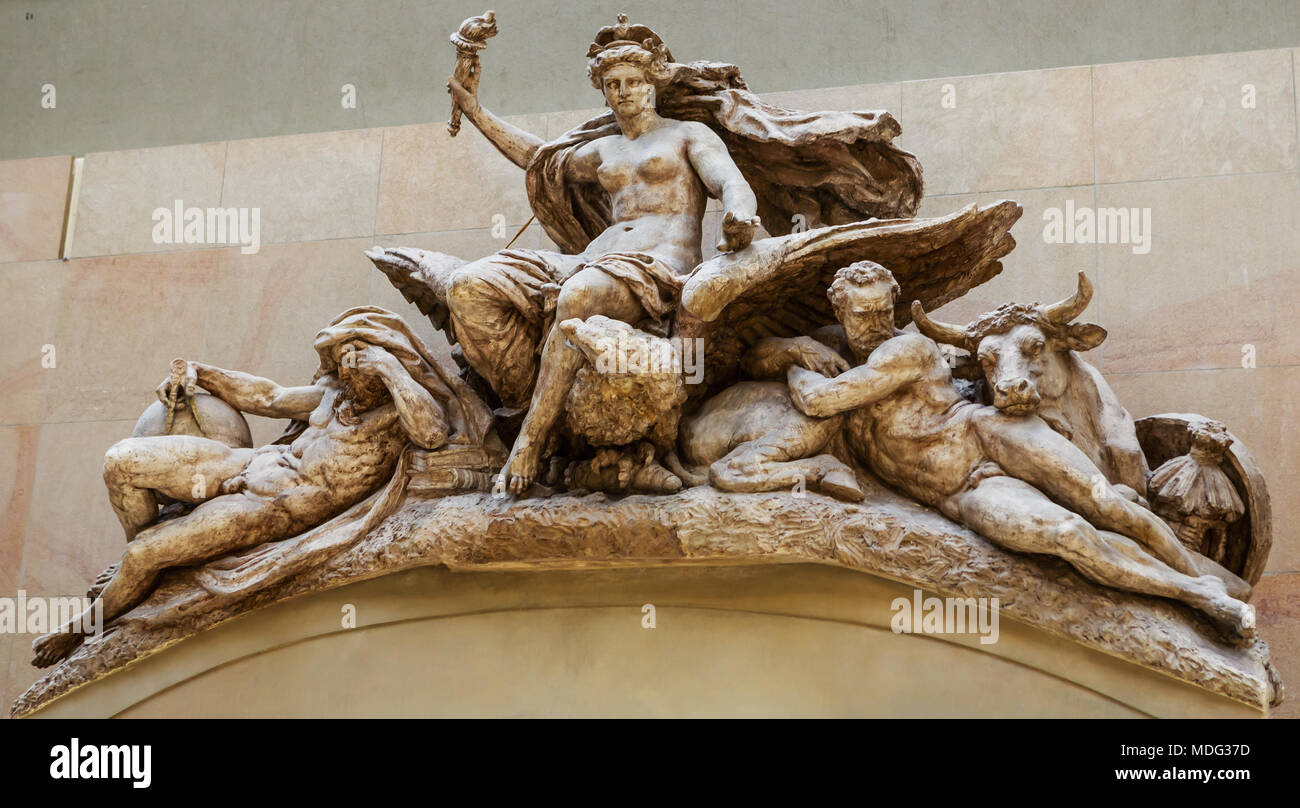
(334,463)
(919,437)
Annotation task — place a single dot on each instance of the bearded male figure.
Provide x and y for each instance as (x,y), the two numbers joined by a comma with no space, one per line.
(378,391)
(625,199)
(1010,478)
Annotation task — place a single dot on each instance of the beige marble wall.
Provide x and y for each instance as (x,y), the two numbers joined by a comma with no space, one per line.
(33,195)
(1220,178)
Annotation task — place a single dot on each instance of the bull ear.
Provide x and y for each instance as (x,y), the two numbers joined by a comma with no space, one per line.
(1084,336)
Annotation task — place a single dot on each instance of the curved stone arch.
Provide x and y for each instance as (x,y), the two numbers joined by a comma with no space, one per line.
(811,640)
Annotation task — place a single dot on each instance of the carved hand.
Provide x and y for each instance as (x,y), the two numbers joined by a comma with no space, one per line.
(465,99)
(177,387)
(370,358)
(817,357)
(801,383)
(737,232)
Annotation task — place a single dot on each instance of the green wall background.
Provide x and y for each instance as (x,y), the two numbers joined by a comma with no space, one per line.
(161,72)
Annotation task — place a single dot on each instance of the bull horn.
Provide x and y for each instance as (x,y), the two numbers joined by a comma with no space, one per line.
(1065,311)
(935,330)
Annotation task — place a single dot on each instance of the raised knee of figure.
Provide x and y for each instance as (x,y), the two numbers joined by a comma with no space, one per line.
(578,298)
(117,461)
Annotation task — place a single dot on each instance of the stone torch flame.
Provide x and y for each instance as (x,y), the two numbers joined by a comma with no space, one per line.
(469,40)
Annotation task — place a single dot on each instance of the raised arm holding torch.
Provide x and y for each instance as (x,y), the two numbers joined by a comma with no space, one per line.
(469,40)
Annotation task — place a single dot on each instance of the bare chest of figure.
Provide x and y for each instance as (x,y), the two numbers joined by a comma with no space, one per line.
(650,176)
(918,440)
(334,436)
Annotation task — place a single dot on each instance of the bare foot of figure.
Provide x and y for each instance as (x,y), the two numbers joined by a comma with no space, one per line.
(1235,618)
(653,478)
(841,484)
(97,588)
(521,467)
(54,647)
(1235,586)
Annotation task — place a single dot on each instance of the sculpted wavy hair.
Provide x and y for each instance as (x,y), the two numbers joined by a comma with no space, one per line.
(862,273)
(654,65)
(1008,316)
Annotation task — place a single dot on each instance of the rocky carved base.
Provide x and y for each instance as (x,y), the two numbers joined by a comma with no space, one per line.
(885,535)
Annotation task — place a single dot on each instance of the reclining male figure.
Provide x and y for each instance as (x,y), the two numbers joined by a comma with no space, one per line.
(360,414)
(1010,478)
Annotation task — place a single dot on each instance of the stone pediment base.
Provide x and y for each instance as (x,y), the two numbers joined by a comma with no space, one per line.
(693,536)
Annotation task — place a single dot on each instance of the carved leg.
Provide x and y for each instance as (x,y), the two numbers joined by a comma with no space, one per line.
(586,294)
(1017,516)
(185,468)
(778,461)
(753,438)
(222,525)
(102,580)
(1025,447)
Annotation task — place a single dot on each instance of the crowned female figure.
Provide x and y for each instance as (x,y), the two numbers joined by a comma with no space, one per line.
(624,196)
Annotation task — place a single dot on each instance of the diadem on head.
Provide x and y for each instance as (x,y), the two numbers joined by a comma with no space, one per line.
(637,45)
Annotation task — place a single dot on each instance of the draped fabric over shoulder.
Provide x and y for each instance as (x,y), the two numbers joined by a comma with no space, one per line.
(468,418)
(830,167)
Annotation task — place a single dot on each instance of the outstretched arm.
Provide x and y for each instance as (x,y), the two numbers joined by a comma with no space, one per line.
(889,369)
(772,356)
(516,144)
(248,393)
(719,173)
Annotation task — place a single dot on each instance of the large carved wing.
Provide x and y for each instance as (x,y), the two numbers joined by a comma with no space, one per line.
(777,286)
(421,276)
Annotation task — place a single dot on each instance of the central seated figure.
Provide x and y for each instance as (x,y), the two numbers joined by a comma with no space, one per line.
(658,174)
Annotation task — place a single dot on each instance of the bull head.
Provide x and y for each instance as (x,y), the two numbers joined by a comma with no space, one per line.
(1022,348)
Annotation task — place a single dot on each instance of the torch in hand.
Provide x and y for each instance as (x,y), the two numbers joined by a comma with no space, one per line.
(469,40)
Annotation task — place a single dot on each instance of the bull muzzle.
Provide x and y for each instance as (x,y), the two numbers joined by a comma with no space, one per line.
(1016,396)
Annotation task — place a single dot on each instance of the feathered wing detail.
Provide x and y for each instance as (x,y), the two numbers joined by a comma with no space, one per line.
(421,276)
(822,167)
(777,287)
